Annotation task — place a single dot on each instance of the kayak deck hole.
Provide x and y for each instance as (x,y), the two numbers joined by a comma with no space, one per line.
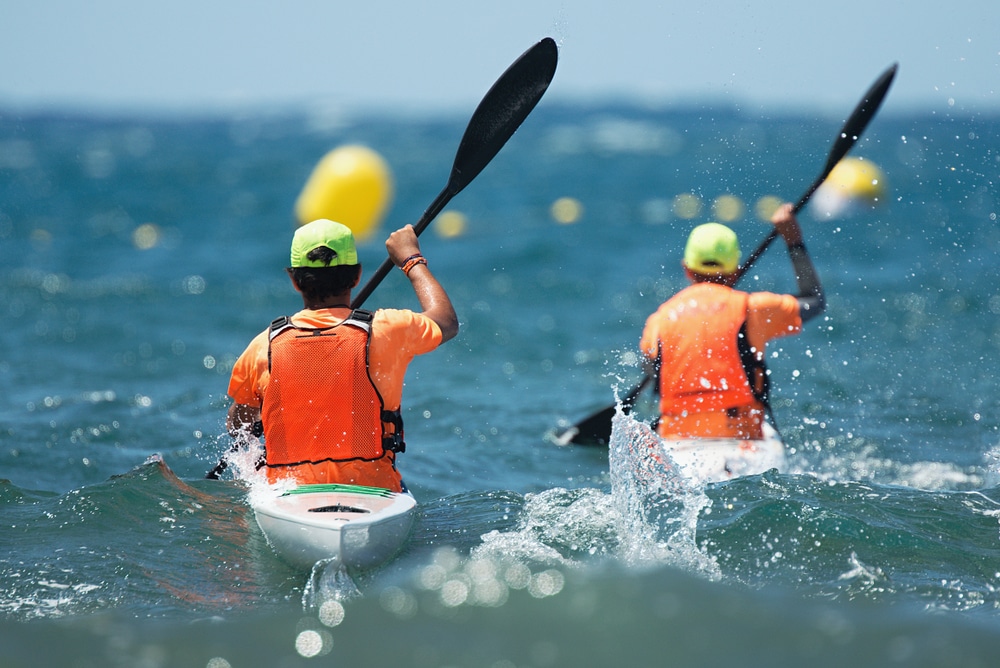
(338,508)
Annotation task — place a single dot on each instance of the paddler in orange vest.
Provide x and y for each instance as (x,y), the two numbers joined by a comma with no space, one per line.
(706,345)
(325,385)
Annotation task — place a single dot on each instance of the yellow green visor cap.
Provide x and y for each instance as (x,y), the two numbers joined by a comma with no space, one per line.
(319,233)
(712,249)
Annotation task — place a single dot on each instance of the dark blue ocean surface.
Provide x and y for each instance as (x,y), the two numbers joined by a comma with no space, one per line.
(139,255)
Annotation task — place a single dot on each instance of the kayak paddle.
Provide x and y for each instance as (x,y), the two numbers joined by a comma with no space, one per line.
(596,428)
(498,115)
(849,135)
(505,106)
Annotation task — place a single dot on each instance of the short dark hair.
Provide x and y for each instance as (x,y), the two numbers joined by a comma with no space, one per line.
(722,279)
(321,282)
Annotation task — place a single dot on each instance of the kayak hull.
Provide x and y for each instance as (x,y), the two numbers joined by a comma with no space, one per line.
(359,528)
(720,459)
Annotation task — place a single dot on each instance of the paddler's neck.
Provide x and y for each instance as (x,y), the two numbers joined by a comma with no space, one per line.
(342,300)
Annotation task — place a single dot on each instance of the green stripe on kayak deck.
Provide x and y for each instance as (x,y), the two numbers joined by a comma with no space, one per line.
(337,487)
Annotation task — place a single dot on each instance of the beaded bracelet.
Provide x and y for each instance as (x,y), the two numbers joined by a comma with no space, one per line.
(411,262)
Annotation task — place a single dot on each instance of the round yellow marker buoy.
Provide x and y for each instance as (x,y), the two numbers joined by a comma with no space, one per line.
(566,210)
(352,185)
(853,184)
(146,236)
(450,224)
(766,206)
(855,177)
(687,206)
(728,208)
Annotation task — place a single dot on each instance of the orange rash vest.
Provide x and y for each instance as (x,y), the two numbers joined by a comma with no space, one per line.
(695,335)
(700,367)
(321,367)
(396,337)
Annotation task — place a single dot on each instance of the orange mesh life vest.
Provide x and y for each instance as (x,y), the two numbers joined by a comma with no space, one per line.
(320,404)
(702,356)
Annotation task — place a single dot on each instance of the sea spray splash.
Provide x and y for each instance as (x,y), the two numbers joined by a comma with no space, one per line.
(558,526)
(246,459)
(329,581)
(658,508)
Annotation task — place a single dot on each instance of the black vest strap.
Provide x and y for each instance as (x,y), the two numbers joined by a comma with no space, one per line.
(394,441)
(757,374)
(361,318)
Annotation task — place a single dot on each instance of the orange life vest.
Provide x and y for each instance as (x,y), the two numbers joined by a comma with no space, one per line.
(704,358)
(320,404)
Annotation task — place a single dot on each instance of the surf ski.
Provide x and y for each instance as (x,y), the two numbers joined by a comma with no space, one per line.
(357,527)
(720,459)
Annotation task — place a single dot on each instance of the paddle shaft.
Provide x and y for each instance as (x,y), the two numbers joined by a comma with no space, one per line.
(848,136)
(387,264)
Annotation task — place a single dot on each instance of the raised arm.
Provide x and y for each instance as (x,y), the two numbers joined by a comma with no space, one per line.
(812,301)
(404,250)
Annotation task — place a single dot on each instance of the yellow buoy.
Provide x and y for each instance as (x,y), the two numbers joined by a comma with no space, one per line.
(352,185)
(728,208)
(687,206)
(450,224)
(566,210)
(857,178)
(766,206)
(146,236)
(853,185)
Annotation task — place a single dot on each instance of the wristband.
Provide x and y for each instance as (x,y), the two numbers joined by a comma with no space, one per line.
(412,262)
(797,246)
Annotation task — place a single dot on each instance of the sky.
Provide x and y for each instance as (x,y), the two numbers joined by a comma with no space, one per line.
(411,55)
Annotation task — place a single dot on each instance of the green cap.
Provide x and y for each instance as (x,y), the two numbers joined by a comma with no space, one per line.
(319,233)
(712,249)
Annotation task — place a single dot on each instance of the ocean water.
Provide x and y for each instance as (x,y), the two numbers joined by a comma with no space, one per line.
(139,255)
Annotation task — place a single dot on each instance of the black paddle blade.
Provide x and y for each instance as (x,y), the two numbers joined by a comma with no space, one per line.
(502,111)
(853,128)
(592,430)
(845,141)
(498,115)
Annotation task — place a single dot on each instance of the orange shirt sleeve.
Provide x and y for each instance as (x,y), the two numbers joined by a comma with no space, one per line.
(649,343)
(250,373)
(771,316)
(398,337)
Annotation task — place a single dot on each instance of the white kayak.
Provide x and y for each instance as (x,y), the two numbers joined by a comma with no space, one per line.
(720,459)
(357,527)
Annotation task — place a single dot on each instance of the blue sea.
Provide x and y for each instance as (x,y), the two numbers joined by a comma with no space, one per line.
(139,254)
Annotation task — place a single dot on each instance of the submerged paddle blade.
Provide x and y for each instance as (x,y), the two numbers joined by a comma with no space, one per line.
(592,430)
